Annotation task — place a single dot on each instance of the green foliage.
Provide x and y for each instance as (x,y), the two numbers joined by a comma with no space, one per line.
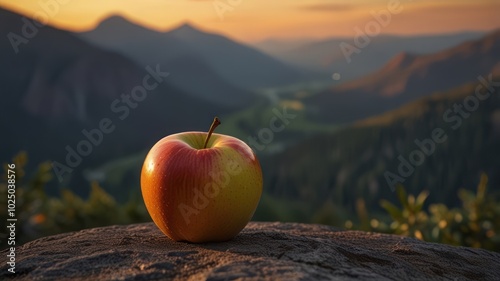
(40,215)
(475,224)
(408,221)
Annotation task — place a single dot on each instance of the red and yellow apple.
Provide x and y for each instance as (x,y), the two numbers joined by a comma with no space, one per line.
(201,187)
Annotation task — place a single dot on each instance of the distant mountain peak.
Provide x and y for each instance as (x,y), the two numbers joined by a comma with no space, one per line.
(117,23)
(187,26)
(186,29)
(118,28)
(115,19)
(401,60)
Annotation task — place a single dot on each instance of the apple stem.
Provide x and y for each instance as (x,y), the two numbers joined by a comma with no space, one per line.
(212,129)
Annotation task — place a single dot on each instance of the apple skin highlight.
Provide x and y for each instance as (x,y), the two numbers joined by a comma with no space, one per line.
(198,194)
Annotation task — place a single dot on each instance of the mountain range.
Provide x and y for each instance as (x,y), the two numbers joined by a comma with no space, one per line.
(407,77)
(237,64)
(61,83)
(327,56)
(354,162)
(58,85)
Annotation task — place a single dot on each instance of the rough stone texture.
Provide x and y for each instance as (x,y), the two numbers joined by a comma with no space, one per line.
(263,251)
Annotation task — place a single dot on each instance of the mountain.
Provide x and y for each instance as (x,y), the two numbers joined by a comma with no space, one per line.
(241,65)
(58,85)
(407,77)
(352,162)
(326,55)
(280,48)
(193,75)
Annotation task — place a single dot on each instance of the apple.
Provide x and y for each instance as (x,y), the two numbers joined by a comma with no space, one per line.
(201,187)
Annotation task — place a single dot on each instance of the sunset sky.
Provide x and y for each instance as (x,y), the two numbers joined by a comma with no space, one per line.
(254,20)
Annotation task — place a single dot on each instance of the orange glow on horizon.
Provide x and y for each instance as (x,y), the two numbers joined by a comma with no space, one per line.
(257,20)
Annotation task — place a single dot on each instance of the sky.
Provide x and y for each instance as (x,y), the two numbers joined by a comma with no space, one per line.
(256,20)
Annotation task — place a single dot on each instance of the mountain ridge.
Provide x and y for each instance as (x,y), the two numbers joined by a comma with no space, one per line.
(407,77)
(405,66)
(59,86)
(326,56)
(375,145)
(238,64)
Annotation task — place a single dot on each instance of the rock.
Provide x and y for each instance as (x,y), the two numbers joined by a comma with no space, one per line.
(262,251)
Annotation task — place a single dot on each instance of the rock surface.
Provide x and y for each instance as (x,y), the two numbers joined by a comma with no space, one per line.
(262,251)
